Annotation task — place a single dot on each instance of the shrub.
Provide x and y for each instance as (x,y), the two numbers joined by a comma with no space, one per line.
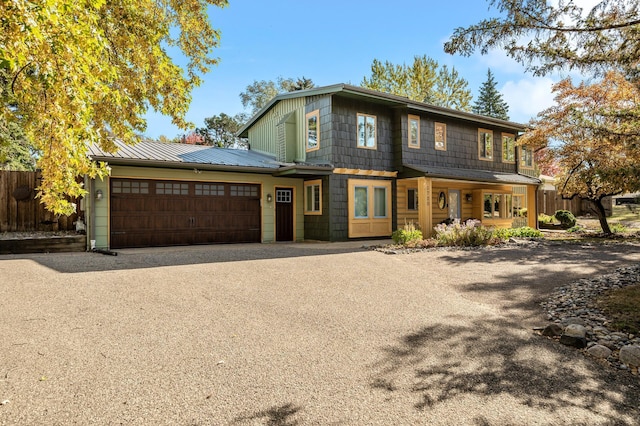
(566,218)
(407,234)
(577,229)
(468,234)
(618,228)
(523,232)
(545,219)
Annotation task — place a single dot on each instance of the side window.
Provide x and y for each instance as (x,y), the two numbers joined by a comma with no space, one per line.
(412,199)
(508,149)
(441,136)
(414,131)
(367,131)
(485,144)
(313,131)
(526,157)
(313,197)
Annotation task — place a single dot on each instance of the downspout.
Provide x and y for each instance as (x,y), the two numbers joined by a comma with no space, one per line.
(92,215)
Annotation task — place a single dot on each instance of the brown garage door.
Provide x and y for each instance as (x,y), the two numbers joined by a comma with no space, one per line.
(149,213)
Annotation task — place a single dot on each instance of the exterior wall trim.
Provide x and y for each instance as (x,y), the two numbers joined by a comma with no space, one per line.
(361,172)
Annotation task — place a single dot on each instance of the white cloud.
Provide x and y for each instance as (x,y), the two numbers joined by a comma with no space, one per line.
(527,97)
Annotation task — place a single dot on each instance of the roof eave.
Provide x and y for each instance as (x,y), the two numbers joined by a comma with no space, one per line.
(182,165)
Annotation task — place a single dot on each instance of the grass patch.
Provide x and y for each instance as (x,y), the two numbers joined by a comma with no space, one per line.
(622,307)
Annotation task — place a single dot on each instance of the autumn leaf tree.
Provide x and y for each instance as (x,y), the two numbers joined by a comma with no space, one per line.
(590,164)
(74,73)
(423,81)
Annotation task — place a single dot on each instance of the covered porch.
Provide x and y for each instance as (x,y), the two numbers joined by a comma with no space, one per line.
(428,196)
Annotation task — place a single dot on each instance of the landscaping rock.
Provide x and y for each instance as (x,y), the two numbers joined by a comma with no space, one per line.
(630,355)
(574,304)
(574,335)
(552,330)
(599,351)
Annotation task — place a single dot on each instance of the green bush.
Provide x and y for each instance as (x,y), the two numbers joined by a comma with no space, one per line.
(576,229)
(407,234)
(618,228)
(545,219)
(566,218)
(523,232)
(468,234)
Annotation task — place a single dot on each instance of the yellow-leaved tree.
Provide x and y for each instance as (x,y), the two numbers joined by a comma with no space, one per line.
(591,137)
(75,72)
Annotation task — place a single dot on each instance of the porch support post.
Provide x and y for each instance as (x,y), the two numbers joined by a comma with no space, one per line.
(424,206)
(532,206)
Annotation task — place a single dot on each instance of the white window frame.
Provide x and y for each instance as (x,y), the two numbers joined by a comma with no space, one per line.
(366,118)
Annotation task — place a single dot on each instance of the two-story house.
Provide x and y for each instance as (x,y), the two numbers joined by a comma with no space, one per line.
(329,163)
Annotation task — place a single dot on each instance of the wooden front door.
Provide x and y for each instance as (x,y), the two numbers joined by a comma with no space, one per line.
(284,214)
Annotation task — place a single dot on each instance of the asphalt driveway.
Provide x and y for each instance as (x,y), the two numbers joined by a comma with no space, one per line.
(300,334)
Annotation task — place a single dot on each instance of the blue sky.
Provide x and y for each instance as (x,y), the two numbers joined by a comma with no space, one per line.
(334,41)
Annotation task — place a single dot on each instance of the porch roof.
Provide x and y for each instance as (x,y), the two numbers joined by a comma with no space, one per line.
(473,175)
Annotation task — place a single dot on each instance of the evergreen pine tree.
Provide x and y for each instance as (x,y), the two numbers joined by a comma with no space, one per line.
(490,102)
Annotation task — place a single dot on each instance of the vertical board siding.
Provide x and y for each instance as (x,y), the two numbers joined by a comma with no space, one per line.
(29,214)
(263,135)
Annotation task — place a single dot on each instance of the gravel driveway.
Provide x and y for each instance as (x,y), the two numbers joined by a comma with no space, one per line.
(300,334)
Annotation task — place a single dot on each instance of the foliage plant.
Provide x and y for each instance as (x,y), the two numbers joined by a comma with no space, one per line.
(423,81)
(407,235)
(545,219)
(618,228)
(522,232)
(468,234)
(566,218)
(74,73)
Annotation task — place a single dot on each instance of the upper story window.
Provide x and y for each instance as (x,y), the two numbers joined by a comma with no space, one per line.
(313,131)
(414,131)
(367,131)
(440,136)
(485,144)
(526,157)
(508,148)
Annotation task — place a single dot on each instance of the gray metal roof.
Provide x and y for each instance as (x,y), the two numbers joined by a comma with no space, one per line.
(184,155)
(386,98)
(474,175)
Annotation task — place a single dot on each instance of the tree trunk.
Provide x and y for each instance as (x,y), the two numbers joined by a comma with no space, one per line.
(602,215)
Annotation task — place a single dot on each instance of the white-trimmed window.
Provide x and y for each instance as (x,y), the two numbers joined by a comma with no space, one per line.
(313,197)
(367,131)
(440,136)
(508,148)
(485,144)
(313,130)
(414,131)
(526,157)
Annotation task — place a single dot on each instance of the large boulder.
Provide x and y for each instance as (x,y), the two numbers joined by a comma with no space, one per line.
(574,335)
(630,355)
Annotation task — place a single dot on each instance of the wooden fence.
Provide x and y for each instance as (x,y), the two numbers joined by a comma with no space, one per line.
(19,209)
(550,201)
